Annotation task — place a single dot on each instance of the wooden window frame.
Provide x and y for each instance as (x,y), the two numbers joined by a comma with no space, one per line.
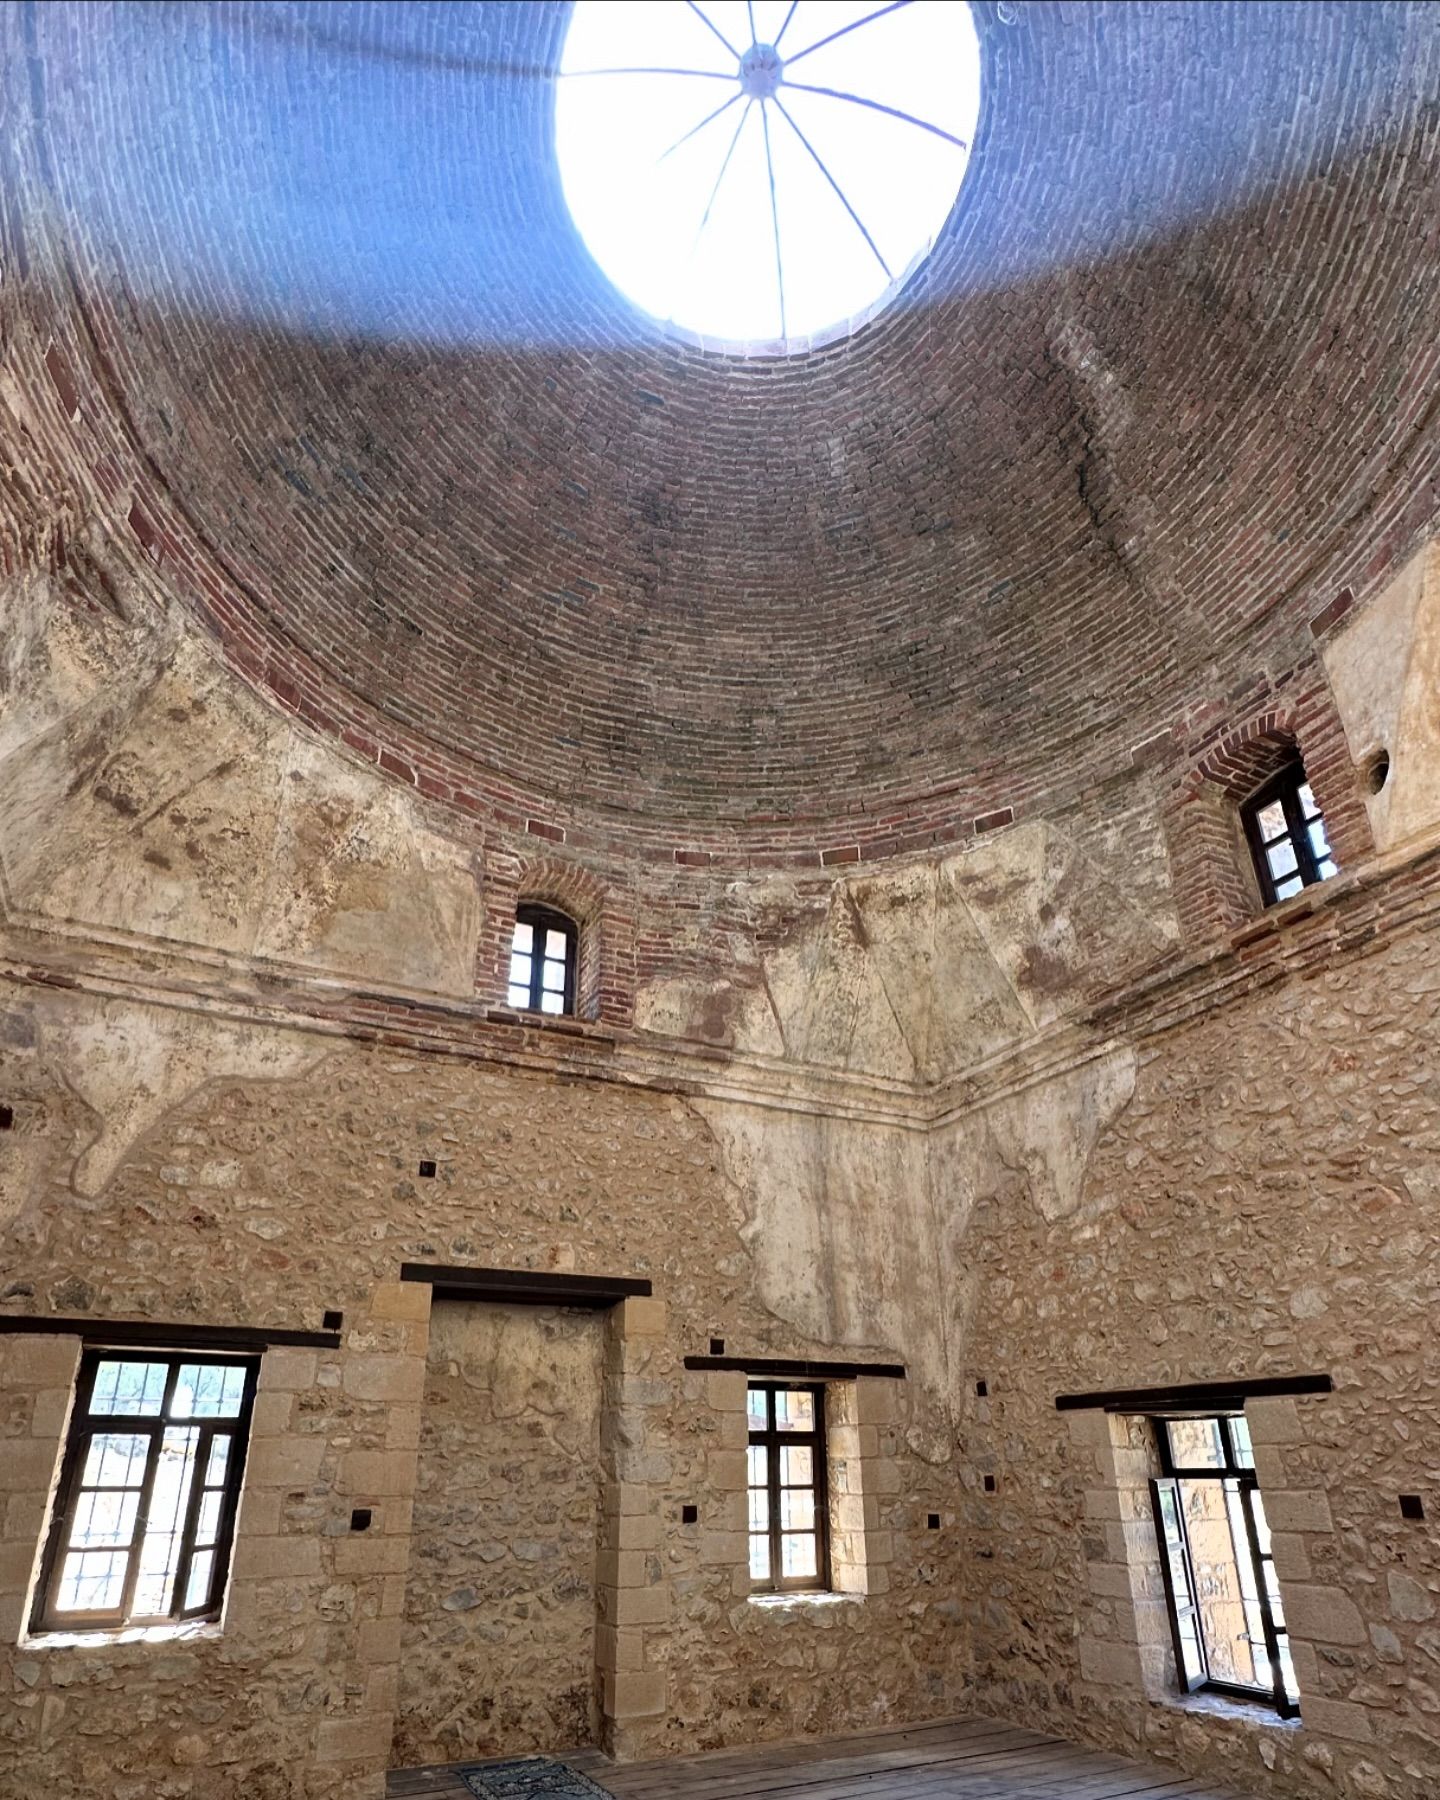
(775,1440)
(84,1426)
(1284,786)
(1167,1484)
(542,919)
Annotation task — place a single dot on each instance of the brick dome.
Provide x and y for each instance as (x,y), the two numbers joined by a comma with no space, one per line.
(1164,386)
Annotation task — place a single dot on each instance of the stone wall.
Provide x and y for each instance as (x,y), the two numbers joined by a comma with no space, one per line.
(499,1646)
(291,1695)
(1252,1193)
(1266,1203)
(265,1203)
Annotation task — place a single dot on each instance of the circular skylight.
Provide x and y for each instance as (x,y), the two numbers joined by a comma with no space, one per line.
(764,173)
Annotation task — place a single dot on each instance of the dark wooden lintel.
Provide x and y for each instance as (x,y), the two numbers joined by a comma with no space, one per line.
(169,1335)
(1196,1395)
(800,1369)
(526,1287)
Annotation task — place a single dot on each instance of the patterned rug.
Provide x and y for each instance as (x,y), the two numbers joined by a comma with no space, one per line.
(531,1778)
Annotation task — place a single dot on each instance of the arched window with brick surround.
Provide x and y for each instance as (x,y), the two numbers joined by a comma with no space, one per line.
(1255,819)
(595,916)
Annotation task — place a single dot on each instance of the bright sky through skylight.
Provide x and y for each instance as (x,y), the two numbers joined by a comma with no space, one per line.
(733,199)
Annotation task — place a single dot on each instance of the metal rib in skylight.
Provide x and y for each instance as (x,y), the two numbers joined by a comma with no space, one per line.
(764,173)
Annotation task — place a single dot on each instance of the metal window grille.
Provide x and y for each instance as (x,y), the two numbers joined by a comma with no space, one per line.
(1286,833)
(1226,1611)
(149,1489)
(789,1524)
(543,956)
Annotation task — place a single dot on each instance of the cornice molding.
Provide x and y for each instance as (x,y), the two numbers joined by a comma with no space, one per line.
(1391,897)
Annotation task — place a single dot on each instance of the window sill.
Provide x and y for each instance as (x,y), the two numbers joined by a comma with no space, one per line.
(783,1602)
(196,1630)
(1219,1706)
(1271,920)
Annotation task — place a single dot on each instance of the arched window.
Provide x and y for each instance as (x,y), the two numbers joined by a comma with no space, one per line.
(542,960)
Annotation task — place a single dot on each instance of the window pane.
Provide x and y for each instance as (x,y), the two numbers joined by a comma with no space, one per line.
(759,1558)
(160,1548)
(1244,1562)
(92,1581)
(553,978)
(232,1394)
(1271,819)
(1244,1450)
(114,1460)
(208,1391)
(1284,890)
(524,938)
(1196,1443)
(1319,843)
(1175,1545)
(173,1477)
(219,1459)
(197,1584)
(794,1410)
(552,1003)
(105,1521)
(797,1466)
(759,1509)
(1281,858)
(797,1509)
(798,1558)
(1307,801)
(519,997)
(1215,1553)
(1262,1524)
(1287,1672)
(1328,868)
(520,972)
(755,1406)
(1190,1656)
(137,1388)
(207,1524)
(556,946)
(1170,1518)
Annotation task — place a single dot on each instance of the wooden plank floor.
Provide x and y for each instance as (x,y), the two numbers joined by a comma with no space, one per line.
(950,1759)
